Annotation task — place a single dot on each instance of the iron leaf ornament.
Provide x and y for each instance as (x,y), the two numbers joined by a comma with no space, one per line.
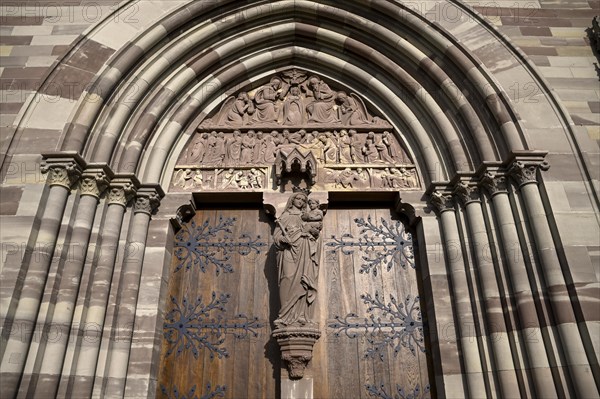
(193,326)
(395,325)
(204,245)
(381,245)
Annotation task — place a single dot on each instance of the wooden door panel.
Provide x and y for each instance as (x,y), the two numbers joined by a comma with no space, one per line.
(367,297)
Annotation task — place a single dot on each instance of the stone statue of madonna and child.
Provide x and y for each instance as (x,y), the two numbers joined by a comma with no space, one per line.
(296,238)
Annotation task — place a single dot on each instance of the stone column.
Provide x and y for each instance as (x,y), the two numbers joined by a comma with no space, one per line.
(63,172)
(497,333)
(115,373)
(80,364)
(520,287)
(45,358)
(468,340)
(525,175)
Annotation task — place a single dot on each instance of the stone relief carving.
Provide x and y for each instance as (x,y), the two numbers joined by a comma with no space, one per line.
(220,179)
(294,99)
(295,123)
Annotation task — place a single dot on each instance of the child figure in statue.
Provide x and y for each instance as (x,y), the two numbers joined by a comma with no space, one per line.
(314,218)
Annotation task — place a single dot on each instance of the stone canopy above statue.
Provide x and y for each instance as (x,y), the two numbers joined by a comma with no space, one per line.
(296,99)
(294,127)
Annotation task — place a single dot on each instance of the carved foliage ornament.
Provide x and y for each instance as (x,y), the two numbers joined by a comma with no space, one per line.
(64,174)
(441,202)
(93,184)
(121,194)
(495,184)
(146,203)
(526,173)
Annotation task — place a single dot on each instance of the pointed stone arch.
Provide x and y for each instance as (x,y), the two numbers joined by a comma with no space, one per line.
(452,111)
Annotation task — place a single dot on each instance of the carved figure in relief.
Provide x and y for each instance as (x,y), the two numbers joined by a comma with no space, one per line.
(293,108)
(345,178)
(266,98)
(313,217)
(196,155)
(255,179)
(242,180)
(320,107)
(220,149)
(241,107)
(270,147)
(296,137)
(198,179)
(297,259)
(356,147)
(329,148)
(259,148)
(248,144)
(234,147)
(352,109)
(382,149)
(229,179)
(346,149)
(182,177)
(388,141)
(362,178)
(370,150)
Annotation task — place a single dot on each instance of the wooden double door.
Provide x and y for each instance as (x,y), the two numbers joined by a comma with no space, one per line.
(223,299)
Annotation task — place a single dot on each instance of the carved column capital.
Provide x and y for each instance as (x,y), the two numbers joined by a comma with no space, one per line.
(62,172)
(121,194)
(441,202)
(466,193)
(526,172)
(147,199)
(94,181)
(494,183)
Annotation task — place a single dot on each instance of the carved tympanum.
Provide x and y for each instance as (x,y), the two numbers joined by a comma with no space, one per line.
(295,123)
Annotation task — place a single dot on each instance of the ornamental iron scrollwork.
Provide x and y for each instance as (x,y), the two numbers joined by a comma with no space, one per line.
(394,324)
(193,326)
(204,245)
(414,393)
(191,394)
(381,245)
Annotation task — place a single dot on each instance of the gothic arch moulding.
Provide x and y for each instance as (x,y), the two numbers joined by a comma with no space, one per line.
(454,123)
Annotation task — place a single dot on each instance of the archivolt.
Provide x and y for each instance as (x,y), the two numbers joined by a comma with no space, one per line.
(447,109)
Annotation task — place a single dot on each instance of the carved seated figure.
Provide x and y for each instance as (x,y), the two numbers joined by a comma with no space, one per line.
(320,110)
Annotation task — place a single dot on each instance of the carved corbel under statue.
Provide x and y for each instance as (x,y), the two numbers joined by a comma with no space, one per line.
(297,239)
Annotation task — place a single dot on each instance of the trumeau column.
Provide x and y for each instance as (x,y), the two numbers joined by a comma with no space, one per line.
(525,174)
(520,286)
(82,355)
(469,344)
(63,172)
(45,357)
(504,367)
(119,346)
